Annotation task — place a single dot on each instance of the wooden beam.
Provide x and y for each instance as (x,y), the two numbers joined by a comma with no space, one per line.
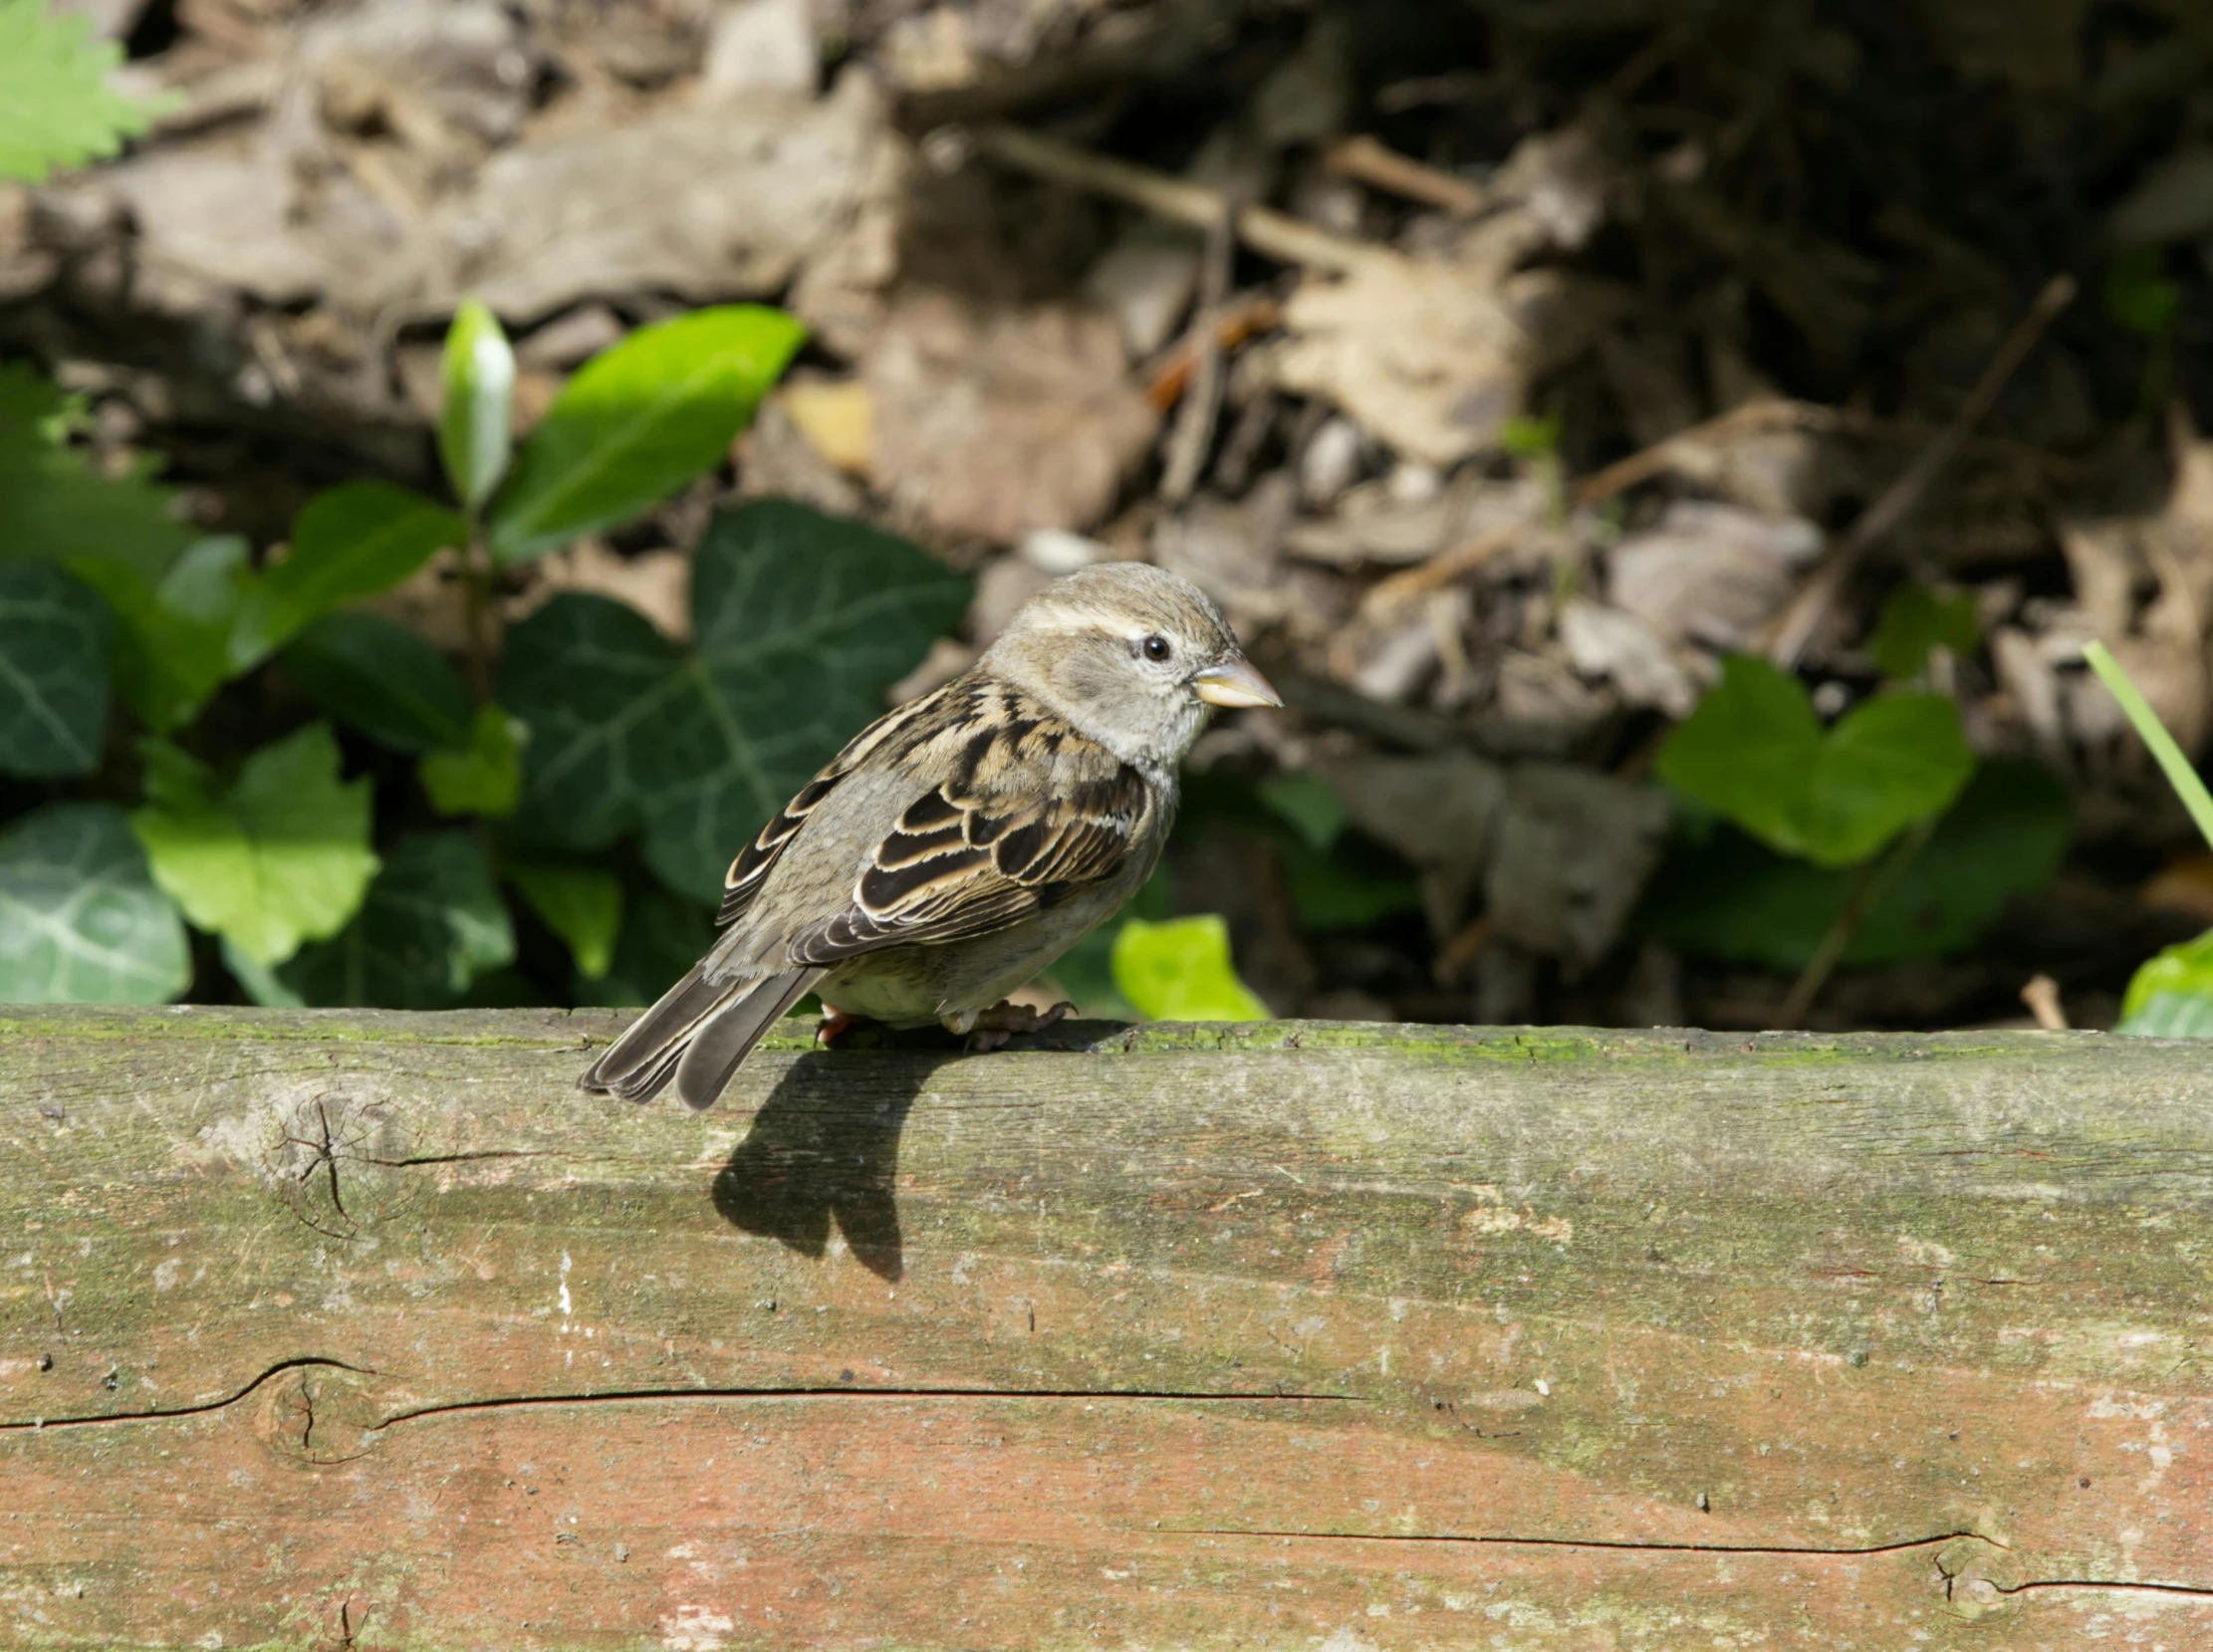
(353,1328)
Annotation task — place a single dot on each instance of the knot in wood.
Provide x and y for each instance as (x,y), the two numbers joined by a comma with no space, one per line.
(340,1163)
(317,1415)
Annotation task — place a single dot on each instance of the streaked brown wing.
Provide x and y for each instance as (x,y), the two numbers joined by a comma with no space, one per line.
(962,862)
(750,870)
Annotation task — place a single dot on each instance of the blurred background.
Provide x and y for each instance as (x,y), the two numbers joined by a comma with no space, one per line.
(462,464)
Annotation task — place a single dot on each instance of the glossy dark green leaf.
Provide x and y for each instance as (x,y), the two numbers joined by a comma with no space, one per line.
(53,507)
(580,905)
(81,922)
(662,935)
(802,622)
(348,543)
(638,422)
(55,639)
(432,921)
(379,677)
(1727,898)
(2171,997)
(173,643)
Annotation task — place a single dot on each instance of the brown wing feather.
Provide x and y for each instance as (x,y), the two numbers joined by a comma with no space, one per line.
(750,870)
(981,853)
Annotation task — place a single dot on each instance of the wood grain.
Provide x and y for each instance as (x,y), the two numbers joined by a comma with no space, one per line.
(345,1328)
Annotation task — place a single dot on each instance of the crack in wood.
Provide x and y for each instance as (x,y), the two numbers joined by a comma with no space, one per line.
(1493,1539)
(845,1392)
(39,1425)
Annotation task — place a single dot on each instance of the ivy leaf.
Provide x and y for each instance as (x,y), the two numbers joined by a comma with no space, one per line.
(476,420)
(802,622)
(1727,898)
(378,676)
(53,505)
(1180,970)
(639,421)
(348,543)
(1755,752)
(278,857)
(55,638)
(80,920)
(432,921)
(56,107)
(580,905)
(1915,619)
(485,777)
(2171,997)
(662,935)
(173,648)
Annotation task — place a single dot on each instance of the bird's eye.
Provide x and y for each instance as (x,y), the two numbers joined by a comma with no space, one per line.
(1156,647)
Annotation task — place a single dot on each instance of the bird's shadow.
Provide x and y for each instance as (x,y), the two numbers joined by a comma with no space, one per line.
(825,1147)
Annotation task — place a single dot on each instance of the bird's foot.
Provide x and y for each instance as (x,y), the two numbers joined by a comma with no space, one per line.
(835,1024)
(995,1026)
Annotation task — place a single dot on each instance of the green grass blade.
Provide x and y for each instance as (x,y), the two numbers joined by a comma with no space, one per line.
(2180,775)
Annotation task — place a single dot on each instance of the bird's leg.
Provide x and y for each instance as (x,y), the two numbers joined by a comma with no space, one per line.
(994,1026)
(835,1024)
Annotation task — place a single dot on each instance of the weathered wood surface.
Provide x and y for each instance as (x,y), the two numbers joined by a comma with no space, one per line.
(356,1329)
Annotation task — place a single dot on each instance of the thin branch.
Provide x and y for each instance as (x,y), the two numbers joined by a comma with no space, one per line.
(1870,888)
(1813,600)
(1367,161)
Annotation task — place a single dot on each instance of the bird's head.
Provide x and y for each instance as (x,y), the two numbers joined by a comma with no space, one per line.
(1133,655)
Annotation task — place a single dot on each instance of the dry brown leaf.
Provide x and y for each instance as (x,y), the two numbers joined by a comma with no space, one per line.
(1573,853)
(998,424)
(1709,573)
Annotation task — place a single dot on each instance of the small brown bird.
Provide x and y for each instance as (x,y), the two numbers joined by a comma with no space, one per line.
(964,841)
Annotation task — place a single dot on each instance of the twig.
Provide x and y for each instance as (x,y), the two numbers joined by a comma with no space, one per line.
(1873,883)
(1194,420)
(1800,620)
(1272,234)
(1231,328)
(1664,454)
(1367,161)
(2041,995)
(1393,593)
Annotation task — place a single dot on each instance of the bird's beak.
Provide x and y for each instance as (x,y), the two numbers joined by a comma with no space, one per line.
(1235,683)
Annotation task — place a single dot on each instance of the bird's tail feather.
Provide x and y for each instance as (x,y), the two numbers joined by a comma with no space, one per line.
(697,1034)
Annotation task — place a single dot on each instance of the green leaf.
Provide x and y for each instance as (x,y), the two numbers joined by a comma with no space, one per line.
(432,922)
(2171,996)
(1180,970)
(173,648)
(2139,293)
(278,856)
(638,422)
(1726,898)
(348,543)
(1754,752)
(483,778)
(1915,619)
(477,422)
(54,506)
(55,638)
(580,905)
(80,920)
(1306,804)
(663,936)
(802,622)
(379,677)
(56,109)
(261,983)
(2173,762)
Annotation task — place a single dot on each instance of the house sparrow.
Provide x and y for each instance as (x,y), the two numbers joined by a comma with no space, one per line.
(964,841)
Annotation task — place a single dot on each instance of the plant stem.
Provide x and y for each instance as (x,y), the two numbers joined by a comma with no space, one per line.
(1874,881)
(2177,768)
(476,604)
